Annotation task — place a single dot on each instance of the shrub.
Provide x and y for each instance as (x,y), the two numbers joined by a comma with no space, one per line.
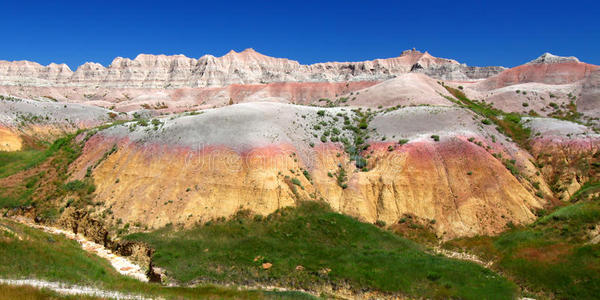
(433,276)
(296,181)
(75,185)
(435,138)
(307,175)
(403,141)
(341,177)
(361,162)
(78,186)
(486,121)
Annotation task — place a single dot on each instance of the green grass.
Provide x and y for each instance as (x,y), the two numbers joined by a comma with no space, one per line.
(330,248)
(551,257)
(60,153)
(8,292)
(13,162)
(587,188)
(31,253)
(17,161)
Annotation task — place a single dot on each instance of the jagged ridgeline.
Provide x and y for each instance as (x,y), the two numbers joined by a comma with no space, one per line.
(336,179)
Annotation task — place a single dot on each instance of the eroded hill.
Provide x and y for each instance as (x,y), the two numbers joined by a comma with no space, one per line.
(162,146)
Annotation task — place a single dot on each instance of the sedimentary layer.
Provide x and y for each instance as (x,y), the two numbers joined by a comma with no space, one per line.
(246,67)
(264,156)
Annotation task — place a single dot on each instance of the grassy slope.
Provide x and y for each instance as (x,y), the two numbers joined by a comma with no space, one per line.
(12,162)
(8,292)
(330,247)
(551,257)
(31,253)
(62,152)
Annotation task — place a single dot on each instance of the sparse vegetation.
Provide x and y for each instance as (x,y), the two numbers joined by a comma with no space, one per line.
(341,177)
(507,123)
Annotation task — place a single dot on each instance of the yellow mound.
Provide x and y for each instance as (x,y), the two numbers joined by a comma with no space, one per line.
(9,141)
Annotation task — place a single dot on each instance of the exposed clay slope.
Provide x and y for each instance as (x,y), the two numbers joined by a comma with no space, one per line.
(9,140)
(549,85)
(589,101)
(568,154)
(27,119)
(525,97)
(406,89)
(543,70)
(252,156)
(247,67)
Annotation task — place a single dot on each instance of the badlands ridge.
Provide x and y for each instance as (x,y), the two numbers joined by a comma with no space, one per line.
(197,139)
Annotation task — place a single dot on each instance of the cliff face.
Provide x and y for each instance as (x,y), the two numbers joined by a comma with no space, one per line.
(247,67)
(259,157)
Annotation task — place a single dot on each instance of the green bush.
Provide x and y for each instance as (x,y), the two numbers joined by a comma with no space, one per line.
(296,181)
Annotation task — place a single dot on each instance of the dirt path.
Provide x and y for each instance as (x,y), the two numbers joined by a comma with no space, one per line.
(463,256)
(68,289)
(121,264)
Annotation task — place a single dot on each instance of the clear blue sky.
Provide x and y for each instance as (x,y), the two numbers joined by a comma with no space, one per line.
(504,33)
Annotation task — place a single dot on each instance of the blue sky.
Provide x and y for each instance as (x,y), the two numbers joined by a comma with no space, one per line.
(504,33)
